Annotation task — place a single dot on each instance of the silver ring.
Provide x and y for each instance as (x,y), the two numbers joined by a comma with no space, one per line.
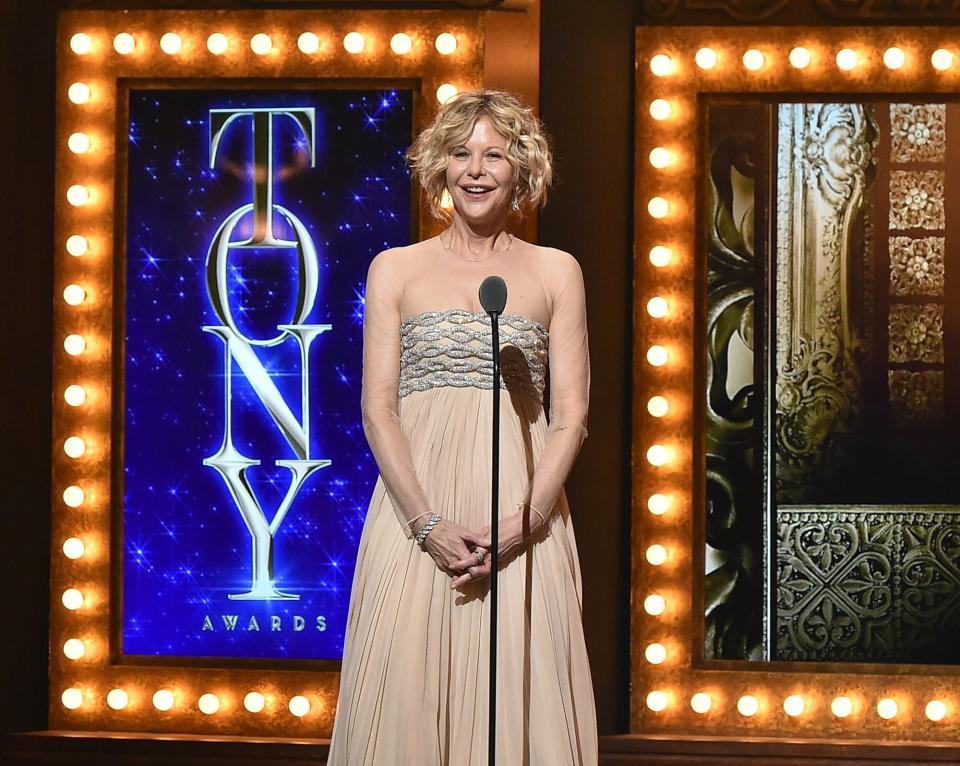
(480,556)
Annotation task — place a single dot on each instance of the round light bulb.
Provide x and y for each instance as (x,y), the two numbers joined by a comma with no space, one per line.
(401,44)
(77,245)
(941,59)
(81,44)
(656,554)
(74,395)
(74,295)
(73,548)
(657,356)
(445,92)
(661,65)
(658,207)
(72,599)
(657,701)
(847,59)
(658,406)
(208,703)
(658,455)
(887,708)
(308,43)
(936,710)
(299,706)
(78,143)
(754,60)
(163,700)
(658,504)
(170,43)
(117,699)
(261,44)
(74,344)
(706,58)
(841,707)
(74,446)
(654,605)
(894,58)
(657,307)
(79,93)
(254,702)
(660,157)
(445,43)
(73,496)
(218,43)
(72,698)
(74,648)
(794,705)
(660,109)
(78,195)
(354,42)
(701,702)
(124,43)
(748,705)
(655,653)
(660,256)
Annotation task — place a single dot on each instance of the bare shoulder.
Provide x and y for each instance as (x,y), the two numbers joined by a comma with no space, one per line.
(555,262)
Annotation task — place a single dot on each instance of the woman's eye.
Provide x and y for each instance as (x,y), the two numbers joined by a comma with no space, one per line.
(461,155)
(494,156)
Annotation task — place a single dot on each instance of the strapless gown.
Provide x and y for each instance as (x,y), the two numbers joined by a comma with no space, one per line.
(414,679)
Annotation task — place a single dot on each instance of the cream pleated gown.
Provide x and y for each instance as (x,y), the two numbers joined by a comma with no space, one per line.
(414,679)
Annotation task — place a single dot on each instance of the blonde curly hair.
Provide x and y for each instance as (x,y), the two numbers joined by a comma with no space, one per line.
(528,147)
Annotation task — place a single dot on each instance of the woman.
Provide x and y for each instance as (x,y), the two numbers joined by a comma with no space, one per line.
(415,669)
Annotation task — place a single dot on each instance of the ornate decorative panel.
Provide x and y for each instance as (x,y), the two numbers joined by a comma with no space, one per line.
(916,199)
(918,132)
(916,265)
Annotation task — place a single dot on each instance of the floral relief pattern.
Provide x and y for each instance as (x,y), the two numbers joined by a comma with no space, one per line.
(916,199)
(916,265)
(916,333)
(918,132)
(916,398)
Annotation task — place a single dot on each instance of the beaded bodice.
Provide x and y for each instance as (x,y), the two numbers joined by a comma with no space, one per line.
(453,348)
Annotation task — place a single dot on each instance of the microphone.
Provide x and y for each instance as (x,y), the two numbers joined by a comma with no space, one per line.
(493,295)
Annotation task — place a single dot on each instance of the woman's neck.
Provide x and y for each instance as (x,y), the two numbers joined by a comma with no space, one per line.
(473,243)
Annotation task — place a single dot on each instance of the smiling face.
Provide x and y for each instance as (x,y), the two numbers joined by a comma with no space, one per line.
(480,176)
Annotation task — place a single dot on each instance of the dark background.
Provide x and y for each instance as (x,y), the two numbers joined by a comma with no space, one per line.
(586,101)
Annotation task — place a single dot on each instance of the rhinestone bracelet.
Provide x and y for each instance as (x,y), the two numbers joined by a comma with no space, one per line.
(426,529)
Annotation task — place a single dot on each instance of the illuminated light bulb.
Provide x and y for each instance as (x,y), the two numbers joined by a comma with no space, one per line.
(72,698)
(654,605)
(308,43)
(748,705)
(661,65)
(78,143)
(74,648)
(655,653)
(794,705)
(657,701)
(163,700)
(73,496)
(658,406)
(841,707)
(354,42)
(81,44)
(936,710)
(73,548)
(660,157)
(208,703)
(847,59)
(74,395)
(658,455)
(941,59)
(445,92)
(894,58)
(124,43)
(657,307)
(218,43)
(658,504)
(658,207)
(800,58)
(78,195)
(74,446)
(72,599)
(706,58)
(170,43)
(79,93)
(74,295)
(401,44)
(261,44)
(445,43)
(657,356)
(117,699)
(754,60)
(701,702)
(299,706)
(887,708)
(74,345)
(254,702)
(77,245)
(446,201)
(656,554)
(660,256)
(660,109)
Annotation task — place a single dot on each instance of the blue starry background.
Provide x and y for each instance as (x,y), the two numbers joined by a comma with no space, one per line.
(186,547)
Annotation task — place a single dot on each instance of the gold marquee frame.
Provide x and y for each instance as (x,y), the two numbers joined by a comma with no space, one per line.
(674,690)
(99,54)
